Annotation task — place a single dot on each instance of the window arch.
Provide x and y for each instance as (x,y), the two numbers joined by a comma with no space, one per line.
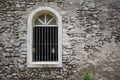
(44,42)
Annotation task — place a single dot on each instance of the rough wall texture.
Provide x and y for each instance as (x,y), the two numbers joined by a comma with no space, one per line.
(91,39)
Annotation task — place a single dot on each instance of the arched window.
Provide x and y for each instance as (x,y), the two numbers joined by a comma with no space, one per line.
(44,44)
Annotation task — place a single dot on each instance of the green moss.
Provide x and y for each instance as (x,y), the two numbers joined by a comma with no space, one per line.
(88,76)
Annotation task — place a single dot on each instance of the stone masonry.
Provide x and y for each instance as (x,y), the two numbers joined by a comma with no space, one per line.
(91,39)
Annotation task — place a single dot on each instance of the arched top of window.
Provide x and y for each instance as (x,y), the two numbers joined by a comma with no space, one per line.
(45,19)
(45,16)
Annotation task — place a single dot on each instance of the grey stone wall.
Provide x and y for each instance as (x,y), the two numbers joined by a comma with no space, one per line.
(91,39)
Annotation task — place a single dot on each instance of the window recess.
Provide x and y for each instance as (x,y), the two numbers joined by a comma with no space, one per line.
(44,38)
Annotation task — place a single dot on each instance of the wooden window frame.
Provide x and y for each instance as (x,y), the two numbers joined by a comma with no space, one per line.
(29,39)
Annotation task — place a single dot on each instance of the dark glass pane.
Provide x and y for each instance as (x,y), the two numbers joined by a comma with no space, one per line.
(53,22)
(45,44)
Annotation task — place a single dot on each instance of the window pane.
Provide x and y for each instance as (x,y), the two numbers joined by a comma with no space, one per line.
(45,20)
(45,44)
(53,22)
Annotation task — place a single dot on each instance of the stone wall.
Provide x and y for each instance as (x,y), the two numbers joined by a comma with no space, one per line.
(91,39)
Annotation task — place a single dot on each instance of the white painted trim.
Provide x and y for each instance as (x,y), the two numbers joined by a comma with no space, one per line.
(29,39)
(46,25)
(40,21)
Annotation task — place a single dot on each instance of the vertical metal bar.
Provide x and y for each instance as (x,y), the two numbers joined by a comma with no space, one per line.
(36,45)
(53,44)
(56,43)
(39,44)
(50,43)
(45,37)
(45,43)
(42,45)
(33,54)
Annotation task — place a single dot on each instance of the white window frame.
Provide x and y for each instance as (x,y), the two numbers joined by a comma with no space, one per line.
(29,39)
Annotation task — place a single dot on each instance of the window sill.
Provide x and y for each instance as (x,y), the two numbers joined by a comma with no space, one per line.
(44,64)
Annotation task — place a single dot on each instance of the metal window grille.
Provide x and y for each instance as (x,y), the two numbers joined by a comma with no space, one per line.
(45,39)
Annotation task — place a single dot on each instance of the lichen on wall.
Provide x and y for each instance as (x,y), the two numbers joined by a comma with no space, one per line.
(91,39)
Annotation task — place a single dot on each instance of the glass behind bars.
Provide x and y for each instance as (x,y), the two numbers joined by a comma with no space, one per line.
(45,39)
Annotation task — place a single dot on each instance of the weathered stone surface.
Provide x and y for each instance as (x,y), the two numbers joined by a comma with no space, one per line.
(91,39)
